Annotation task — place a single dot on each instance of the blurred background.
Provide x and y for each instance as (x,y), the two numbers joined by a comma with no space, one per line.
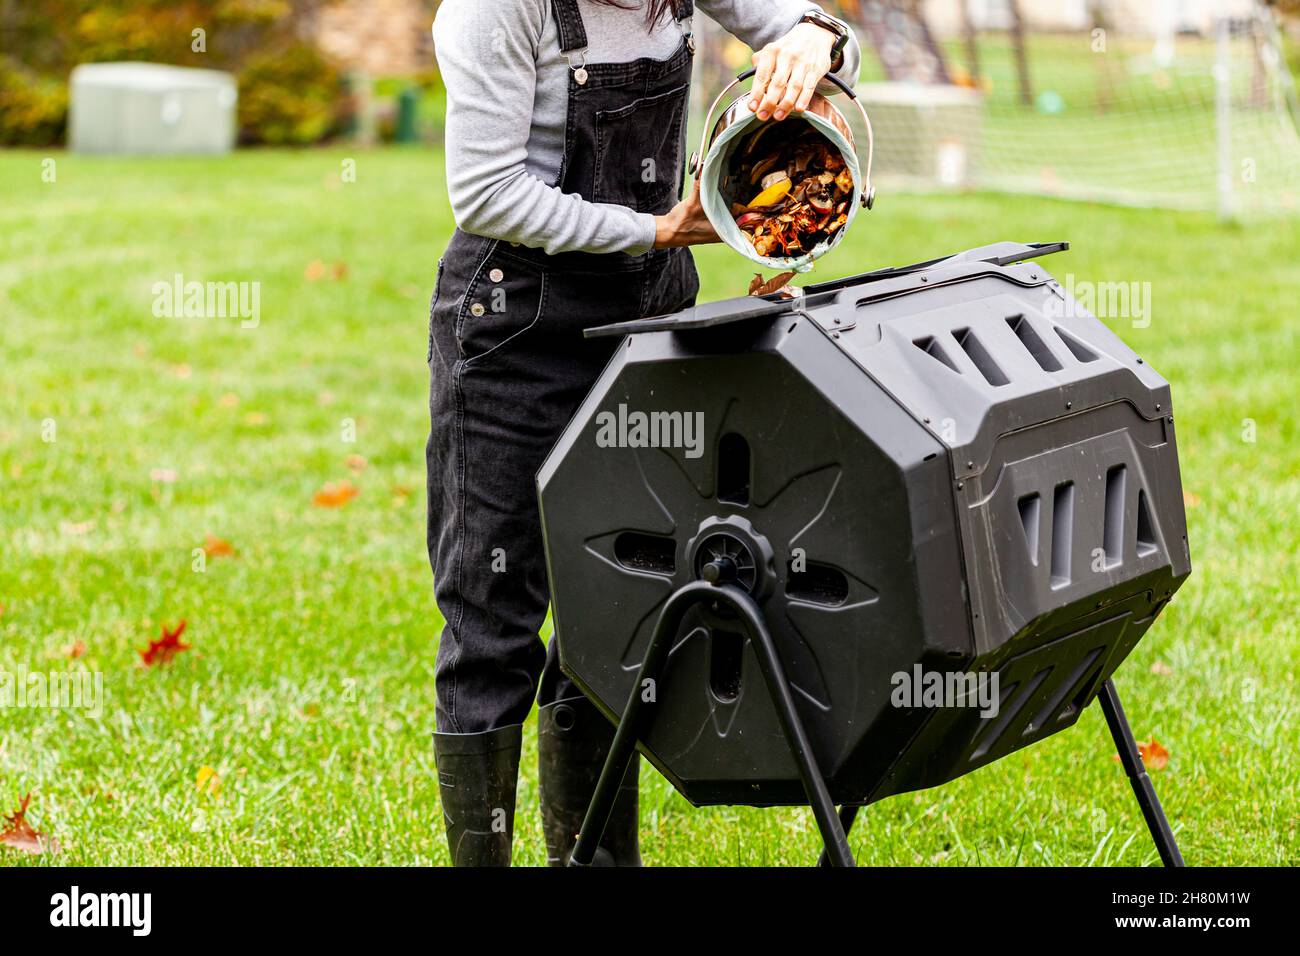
(1034,96)
(251,464)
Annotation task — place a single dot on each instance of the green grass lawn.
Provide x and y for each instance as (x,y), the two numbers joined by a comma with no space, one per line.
(309,688)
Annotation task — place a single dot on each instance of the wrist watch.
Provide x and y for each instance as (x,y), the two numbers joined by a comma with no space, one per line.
(839,30)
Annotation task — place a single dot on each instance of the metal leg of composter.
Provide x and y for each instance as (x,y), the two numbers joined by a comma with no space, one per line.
(1145,791)
(847,815)
(647,689)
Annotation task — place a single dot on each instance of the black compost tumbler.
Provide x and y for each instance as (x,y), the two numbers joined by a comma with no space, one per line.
(946,468)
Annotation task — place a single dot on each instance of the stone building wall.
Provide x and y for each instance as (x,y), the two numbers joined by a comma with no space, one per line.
(382,37)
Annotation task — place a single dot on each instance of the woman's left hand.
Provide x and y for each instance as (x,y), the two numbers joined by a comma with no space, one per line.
(789,70)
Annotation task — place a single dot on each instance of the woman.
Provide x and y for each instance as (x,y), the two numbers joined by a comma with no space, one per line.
(565,132)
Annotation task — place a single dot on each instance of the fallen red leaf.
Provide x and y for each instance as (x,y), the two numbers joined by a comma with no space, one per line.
(218,547)
(1154,755)
(335,494)
(166,647)
(22,836)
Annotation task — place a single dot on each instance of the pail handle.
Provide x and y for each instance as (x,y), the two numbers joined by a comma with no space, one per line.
(868,194)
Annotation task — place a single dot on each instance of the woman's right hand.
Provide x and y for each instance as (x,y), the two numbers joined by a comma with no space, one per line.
(685,224)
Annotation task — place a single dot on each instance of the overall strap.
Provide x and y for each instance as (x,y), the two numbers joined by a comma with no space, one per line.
(568,21)
(683,11)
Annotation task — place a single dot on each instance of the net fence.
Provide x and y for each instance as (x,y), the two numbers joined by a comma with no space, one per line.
(1184,104)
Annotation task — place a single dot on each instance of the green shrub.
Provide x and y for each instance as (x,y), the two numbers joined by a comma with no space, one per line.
(288,93)
(288,96)
(33,109)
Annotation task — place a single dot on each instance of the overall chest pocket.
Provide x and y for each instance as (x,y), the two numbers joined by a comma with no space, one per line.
(639,152)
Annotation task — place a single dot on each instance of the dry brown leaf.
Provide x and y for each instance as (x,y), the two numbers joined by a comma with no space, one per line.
(317,270)
(759,286)
(216,547)
(335,494)
(21,835)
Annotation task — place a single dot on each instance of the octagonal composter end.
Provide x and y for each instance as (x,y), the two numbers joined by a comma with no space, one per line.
(947,472)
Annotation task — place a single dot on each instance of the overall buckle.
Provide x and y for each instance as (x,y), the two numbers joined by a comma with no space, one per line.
(579,70)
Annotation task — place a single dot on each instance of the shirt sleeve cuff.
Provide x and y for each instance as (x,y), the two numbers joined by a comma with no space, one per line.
(645,234)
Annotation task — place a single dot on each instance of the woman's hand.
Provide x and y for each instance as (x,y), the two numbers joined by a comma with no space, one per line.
(685,224)
(789,70)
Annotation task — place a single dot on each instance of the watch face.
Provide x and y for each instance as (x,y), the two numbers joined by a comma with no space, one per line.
(834,26)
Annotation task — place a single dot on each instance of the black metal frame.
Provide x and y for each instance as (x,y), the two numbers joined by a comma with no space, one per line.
(833,826)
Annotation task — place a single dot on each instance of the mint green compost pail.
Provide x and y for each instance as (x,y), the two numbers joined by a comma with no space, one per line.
(731,129)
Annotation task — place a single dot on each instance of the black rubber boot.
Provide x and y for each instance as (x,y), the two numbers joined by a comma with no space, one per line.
(476,778)
(573,739)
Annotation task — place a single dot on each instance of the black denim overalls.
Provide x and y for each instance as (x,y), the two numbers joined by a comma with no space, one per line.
(508,367)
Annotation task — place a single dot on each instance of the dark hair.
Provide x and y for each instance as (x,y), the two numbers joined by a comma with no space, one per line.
(654,9)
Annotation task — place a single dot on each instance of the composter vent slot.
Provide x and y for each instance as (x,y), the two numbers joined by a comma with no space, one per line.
(1113,528)
(726,650)
(733,469)
(1073,683)
(1010,709)
(818,584)
(931,347)
(1030,508)
(646,552)
(980,356)
(1034,345)
(1062,533)
(1077,348)
(1146,530)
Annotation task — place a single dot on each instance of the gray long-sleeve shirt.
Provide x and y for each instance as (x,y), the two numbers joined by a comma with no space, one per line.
(507,100)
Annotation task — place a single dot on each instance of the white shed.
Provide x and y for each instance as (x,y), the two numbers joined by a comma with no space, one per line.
(151,108)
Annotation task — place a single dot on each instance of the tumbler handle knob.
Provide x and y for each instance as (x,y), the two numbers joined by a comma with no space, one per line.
(721,570)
